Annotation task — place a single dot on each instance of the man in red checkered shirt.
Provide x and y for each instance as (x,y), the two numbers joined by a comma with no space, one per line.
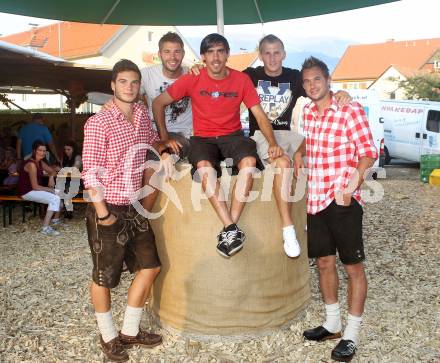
(339,149)
(115,144)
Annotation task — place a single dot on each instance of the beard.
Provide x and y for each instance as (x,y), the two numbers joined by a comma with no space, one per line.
(172,69)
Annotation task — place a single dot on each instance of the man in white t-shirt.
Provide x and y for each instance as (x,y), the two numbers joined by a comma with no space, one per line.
(156,79)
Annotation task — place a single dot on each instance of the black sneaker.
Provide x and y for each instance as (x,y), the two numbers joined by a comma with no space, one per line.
(344,351)
(222,245)
(235,238)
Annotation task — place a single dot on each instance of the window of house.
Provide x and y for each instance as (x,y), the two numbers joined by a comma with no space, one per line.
(150,36)
(433,122)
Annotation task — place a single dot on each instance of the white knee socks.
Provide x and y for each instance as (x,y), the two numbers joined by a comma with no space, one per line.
(353,328)
(333,318)
(132,319)
(106,326)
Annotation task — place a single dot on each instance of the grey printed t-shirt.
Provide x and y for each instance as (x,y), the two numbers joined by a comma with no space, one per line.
(178,115)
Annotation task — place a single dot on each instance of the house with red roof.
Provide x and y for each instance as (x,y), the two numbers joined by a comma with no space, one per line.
(93,45)
(381,66)
(99,45)
(243,60)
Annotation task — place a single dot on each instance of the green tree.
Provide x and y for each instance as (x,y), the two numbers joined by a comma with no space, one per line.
(426,86)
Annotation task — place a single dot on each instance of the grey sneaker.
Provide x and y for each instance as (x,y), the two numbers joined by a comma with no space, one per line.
(57,222)
(49,231)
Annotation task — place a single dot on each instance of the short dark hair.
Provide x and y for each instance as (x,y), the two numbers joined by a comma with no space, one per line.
(270,38)
(172,38)
(124,65)
(37,116)
(315,62)
(211,40)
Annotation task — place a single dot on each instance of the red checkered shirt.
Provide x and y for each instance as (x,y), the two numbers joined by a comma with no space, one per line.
(334,144)
(110,158)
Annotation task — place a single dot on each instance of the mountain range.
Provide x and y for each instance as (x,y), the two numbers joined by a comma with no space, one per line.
(329,50)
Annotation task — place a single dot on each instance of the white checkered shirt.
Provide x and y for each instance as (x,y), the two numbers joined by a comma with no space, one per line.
(110,158)
(334,144)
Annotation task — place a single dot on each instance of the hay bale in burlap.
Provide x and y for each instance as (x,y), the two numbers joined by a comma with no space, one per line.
(199,291)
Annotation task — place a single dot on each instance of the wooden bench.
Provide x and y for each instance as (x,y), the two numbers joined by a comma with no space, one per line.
(9,201)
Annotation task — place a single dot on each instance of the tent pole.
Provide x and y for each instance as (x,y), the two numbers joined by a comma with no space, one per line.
(59,55)
(259,13)
(72,120)
(110,12)
(220,18)
(20,108)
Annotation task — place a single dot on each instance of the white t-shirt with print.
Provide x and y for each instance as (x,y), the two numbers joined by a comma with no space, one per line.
(178,115)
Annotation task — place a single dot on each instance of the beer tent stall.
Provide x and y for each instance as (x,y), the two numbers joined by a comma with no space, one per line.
(27,70)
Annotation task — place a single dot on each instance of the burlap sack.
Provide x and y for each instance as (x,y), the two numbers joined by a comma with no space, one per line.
(199,291)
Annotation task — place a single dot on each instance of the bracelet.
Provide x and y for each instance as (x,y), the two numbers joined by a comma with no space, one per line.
(104,218)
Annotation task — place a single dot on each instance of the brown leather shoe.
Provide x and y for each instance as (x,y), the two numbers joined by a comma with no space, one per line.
(143,338)
(114,350)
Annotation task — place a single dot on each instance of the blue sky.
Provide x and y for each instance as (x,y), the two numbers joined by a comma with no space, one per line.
(402,20)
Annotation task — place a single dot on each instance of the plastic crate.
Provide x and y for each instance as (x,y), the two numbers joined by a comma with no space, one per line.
(430,157)
(425,173)
(434,178)
(428,163)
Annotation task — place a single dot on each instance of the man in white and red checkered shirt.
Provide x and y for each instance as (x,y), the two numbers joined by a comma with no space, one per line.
(108,139)
(339,149)
(115,147)
(334,145)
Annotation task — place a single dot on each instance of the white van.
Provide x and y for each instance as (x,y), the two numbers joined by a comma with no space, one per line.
(412,128)
(369,99)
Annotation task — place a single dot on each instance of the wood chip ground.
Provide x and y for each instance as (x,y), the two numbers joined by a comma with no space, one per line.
(46,316)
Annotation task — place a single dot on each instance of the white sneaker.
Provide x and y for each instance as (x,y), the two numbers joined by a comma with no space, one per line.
(291,244)
(49,231)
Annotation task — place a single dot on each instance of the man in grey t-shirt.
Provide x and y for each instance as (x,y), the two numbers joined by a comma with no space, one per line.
(156,79)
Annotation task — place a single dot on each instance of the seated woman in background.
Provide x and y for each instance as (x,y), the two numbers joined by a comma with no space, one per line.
(10,164)
(30,187)
(71,158)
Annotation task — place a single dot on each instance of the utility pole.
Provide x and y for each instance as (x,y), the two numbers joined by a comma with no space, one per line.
(59,55)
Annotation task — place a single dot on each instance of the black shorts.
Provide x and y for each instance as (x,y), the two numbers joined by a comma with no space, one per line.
(130,239)
(337,228)
(234,147)
(181,139)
